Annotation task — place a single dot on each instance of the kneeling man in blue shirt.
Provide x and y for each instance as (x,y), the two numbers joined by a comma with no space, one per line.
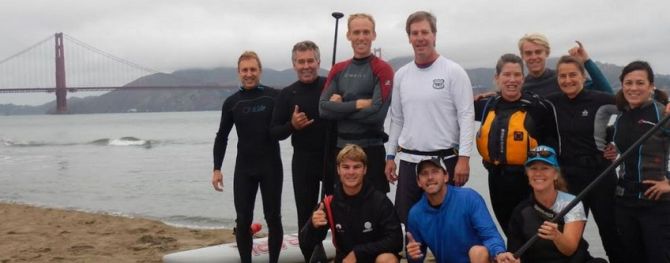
(452,221)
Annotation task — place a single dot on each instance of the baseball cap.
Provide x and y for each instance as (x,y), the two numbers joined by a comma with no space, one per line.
(544,154)
(434,161)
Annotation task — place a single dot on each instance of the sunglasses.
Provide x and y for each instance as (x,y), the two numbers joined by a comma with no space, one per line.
(541,153)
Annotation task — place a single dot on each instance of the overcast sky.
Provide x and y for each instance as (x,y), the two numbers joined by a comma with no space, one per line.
(168,35)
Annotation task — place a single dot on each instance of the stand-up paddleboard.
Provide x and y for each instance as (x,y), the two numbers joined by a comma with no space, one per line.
(290,252)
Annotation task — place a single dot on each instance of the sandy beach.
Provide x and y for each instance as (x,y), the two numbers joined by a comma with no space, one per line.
(34,234)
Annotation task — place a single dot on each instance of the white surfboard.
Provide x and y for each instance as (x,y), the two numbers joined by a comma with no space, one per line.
(290,252)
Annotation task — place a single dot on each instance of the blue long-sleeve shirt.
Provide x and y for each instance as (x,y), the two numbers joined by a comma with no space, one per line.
(461,221)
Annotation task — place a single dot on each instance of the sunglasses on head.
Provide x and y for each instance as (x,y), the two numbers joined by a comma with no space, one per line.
(541,153)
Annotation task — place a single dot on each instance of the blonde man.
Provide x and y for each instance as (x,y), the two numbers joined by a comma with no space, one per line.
(535,50)
(258,162)
(357,95)
(364,225)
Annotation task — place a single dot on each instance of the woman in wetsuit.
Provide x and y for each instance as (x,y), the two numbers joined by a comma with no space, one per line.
(581,155)
(643,190)
(513,122)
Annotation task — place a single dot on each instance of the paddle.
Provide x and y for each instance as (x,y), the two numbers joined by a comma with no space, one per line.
(319,254)
(593,184)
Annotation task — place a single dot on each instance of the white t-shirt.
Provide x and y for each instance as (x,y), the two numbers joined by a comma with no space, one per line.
(577,213)
(431,109)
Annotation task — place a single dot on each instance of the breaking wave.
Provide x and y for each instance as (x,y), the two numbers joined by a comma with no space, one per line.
(123,141)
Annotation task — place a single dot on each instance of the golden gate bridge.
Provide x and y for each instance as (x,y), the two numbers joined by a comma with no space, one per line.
(43,67)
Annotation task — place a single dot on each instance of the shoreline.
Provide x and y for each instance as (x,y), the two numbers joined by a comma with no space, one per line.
(39,234)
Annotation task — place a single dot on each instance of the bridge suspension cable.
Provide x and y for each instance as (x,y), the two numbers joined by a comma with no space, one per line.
(85,66)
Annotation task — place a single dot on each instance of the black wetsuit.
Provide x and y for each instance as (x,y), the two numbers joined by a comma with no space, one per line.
(309,146)
(365,223)
(258,163)
(581,161)
(644,224)
(508,184)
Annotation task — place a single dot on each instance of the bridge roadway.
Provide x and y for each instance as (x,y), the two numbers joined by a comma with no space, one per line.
(75,89)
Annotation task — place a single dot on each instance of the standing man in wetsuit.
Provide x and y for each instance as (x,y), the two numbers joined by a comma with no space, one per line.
(258,161)
(357,95)
(534,49)
(296,114)
(431,114)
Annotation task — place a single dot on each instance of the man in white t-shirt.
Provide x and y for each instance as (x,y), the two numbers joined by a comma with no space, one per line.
(432,114)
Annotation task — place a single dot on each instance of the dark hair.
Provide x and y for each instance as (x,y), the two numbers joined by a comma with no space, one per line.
(571,60)
(638,65)
(659,95)
(508,58)
(419,16)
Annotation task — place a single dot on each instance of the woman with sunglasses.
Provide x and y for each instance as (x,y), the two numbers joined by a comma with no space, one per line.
(524,120)
(643,190)
(581,153)
(560,241)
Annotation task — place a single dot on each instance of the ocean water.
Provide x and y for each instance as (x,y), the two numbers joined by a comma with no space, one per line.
(151,165)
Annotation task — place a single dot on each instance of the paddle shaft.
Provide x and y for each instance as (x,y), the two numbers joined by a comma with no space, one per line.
(595,182)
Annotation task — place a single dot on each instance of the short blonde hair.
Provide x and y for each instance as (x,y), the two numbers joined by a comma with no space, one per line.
(535,38)
(352,152)
(360,15)
(249,55)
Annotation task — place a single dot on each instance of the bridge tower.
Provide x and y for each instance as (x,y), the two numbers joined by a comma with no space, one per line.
(377,52)
(61,89)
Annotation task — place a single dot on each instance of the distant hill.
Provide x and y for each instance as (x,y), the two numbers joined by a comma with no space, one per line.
(207,99)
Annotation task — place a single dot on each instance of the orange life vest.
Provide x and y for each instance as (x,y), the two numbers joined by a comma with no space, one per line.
(503,138)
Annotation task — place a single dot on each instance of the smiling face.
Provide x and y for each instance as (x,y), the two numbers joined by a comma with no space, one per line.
(541,176)
(361,34)
(535,56)
(249,73)
(432,179)
(351,175)
(570,79)
(306,65)
(422,39)
(637,88)
(510,81)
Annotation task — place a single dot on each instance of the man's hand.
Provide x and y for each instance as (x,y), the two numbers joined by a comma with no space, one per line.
(579,52)
(507,257)
(610,152)
(299,119)
(389,170)
(217,180)
(413,248)
(319,217)
(363,103)
(350,258)
(336,98)
(657,189)
(462,171)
